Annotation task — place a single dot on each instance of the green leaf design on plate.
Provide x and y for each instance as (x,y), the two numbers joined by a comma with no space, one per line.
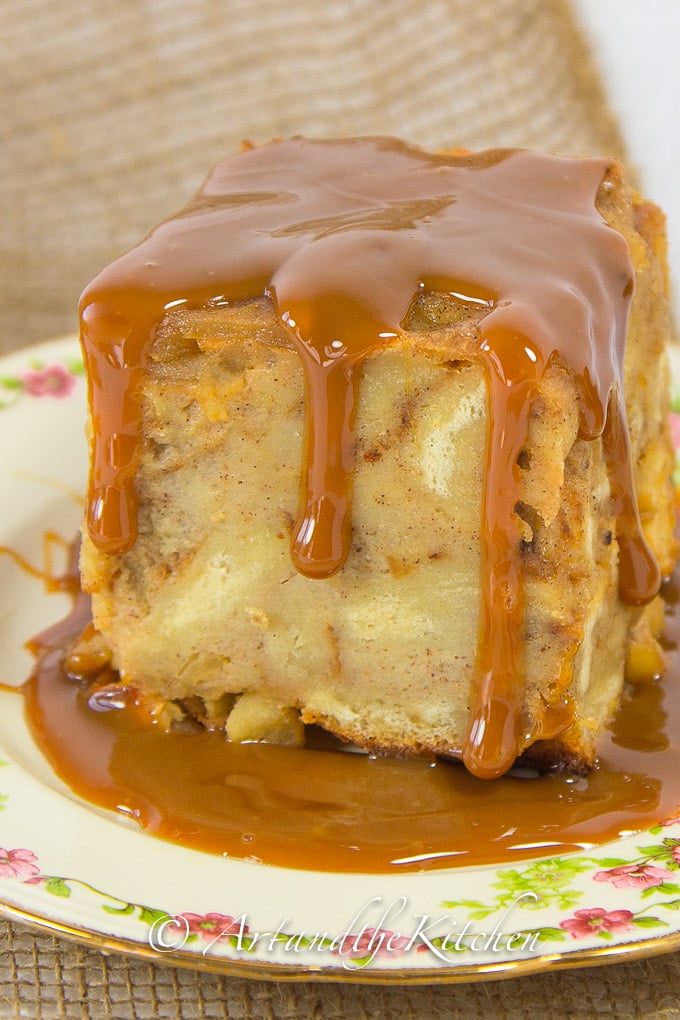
(151,916)
(550,934)
(655,850)
(649,922)
(127,909)
(58,887)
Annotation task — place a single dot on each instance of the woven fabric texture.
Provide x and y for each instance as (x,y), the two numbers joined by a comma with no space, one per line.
(112,113)
(42,978)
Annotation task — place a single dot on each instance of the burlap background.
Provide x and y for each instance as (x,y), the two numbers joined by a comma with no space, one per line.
(111,114)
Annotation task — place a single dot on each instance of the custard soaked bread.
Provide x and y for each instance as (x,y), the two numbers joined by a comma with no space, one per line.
(380,442)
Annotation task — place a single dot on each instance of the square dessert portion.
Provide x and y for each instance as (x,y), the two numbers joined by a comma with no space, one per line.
(380,442)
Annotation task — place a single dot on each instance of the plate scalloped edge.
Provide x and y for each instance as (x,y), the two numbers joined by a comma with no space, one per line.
(83,873)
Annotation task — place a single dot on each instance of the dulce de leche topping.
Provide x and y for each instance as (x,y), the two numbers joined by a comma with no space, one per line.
(342,235)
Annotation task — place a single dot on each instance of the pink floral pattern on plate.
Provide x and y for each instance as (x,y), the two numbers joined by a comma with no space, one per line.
(41,379)
(541,890)
(19,863)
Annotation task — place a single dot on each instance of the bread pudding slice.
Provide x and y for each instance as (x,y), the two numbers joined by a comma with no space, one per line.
(207,611)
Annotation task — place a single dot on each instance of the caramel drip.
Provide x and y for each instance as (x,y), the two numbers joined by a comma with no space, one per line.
(342,235)
(493,735)
(53,582)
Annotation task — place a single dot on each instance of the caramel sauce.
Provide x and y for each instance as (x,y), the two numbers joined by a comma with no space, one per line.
(326,809)
(52,580)
(342,235)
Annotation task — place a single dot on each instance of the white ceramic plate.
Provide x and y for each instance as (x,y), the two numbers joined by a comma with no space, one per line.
(78,870)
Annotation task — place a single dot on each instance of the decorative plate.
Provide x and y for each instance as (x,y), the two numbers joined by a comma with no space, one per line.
(74,869)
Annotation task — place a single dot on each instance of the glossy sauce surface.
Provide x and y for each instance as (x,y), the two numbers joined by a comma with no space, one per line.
(343,235)
(329,810)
